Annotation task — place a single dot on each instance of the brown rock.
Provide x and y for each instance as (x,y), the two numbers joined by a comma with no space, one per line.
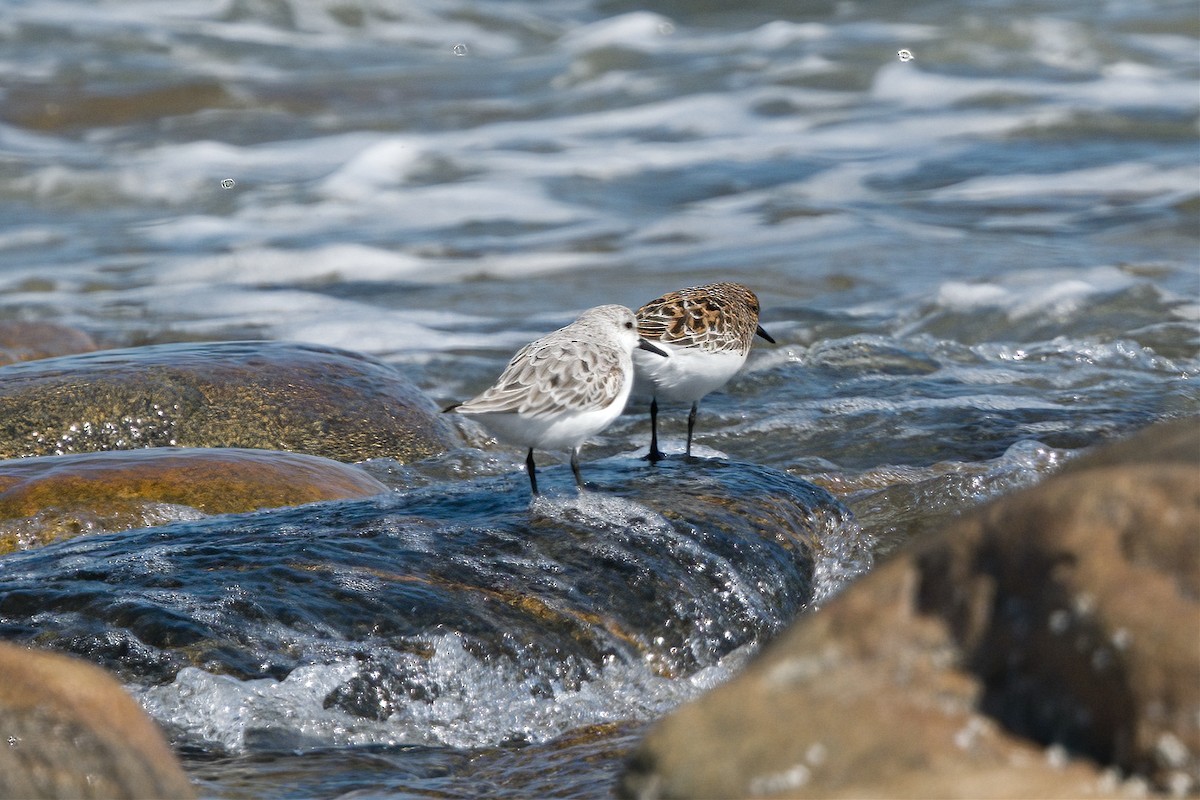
(68,729)
(1175,442)
(56,497)
(1045,645)
(58,107)
(26,341)
(262,395)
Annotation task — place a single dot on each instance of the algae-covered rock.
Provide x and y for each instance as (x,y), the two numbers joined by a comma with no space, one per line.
(56,497)
(68,729)
(262,395)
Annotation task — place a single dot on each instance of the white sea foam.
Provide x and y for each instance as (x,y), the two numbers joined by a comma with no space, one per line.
(314,317)
(220,710)
(324,264)
(917,88)
(780,34)
(1034,293)
(642,30)
(478,703)
(177,173)
(1112,180)
(391,332)
(1187,311)
(380,164)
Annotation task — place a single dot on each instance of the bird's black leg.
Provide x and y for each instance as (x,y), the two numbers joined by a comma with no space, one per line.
(575,467)
(655,454)
(532,470)
(691,425)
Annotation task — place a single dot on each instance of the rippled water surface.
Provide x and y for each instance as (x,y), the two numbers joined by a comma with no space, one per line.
(975,261)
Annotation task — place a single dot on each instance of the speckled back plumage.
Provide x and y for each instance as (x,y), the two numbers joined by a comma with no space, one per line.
(716,317)
(576,368)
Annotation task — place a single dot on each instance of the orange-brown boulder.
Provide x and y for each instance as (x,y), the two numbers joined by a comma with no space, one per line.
(56,497)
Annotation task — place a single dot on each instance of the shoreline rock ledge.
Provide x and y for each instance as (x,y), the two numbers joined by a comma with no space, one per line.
(256,394)
(1043,645)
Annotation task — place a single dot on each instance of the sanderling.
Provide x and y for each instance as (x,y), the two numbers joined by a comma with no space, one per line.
(707,332)
(562,389)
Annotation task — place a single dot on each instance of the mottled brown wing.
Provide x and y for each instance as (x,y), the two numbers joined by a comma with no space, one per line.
(663,319)
(683,318)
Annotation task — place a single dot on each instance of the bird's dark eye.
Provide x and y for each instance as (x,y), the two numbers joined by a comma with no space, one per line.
(628,326)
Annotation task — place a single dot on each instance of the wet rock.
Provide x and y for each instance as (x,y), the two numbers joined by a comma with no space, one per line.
(408,608)
(26,341)
(68,730)
(56,497)
(1042,646)
(263,395)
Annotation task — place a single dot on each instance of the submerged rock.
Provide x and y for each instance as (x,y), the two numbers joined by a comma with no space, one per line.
(459,614)
(68,730)
(56,497)
(1042,646)
(263,395)
(27,341)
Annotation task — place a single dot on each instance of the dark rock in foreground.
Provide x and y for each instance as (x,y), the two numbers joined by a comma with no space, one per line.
(1044,645)
(57,497)
(68,730)
(263,395)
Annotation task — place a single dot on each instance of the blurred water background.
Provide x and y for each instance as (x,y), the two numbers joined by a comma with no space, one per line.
(973,227)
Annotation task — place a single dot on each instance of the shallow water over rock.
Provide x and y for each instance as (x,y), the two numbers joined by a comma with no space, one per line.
(458,615)
(47,498)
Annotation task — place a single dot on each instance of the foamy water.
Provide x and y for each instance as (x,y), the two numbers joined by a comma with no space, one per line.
(234,716)
(569,142)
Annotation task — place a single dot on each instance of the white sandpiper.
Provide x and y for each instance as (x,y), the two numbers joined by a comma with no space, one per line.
(707,332)
(562,389)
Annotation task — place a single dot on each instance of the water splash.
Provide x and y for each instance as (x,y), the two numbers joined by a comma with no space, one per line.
(223,714)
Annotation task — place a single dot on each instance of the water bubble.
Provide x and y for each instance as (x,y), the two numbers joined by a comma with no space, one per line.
(905,55)
(228,183)
(459,49)
(666,28)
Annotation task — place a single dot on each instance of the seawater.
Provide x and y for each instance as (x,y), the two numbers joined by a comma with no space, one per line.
(976,261)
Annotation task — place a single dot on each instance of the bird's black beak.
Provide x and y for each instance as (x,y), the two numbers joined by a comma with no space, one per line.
(764,334)
(643,344)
